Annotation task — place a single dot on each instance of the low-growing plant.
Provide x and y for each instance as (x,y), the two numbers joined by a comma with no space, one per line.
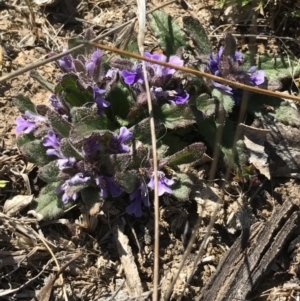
(92,143)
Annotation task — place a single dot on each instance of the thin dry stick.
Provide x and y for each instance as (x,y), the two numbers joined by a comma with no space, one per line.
(56,263)
(58,56)
(195,72)
(141,37)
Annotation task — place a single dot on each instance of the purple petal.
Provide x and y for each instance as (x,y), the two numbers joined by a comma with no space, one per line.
(90,67)
(24,125)
(50,140)
(139,197)
(96,55)
(162,188)
(238,56)
(225,88)
(258,77)
(124,135)
(63,163)
(163,183)
(252,69)
(135,208)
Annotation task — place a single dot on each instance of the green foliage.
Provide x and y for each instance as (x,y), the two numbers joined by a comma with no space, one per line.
(35,152)
(189,154)
(182,188)
(121,100)
(24,104)
(142,132)
(87,127)
(49,172)
(128,180)
(25,138)
(74,93)
(48,204)
(168,32)
(225,99)
(69,150)
(198,34)
(90,196)
(176,116)
(59,124)
(79,113)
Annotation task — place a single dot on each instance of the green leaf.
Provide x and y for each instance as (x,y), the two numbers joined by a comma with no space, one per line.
(34,74)
(24,104)
(49,172)
(79,113)
(276,67)
(69,150)
(167,31)
(110,164)
(198,34)
(274,107)
(25,138)
(90,196)
(189,154)
(287,114)
(48,204)
(58,123)
(141,131)
(73,92)
(128,180)
(206,105)
(182,188)
(224,98)
(120,99)
(36,152)
(176,116)
(87,127)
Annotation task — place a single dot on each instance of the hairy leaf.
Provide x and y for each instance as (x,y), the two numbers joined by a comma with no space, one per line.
(49,172)
(88,126)
(24,104)
(168,32)
(36,152)
(48,205)
(176,116)
(198,34)
(73,93)
(189,154)
(58,123)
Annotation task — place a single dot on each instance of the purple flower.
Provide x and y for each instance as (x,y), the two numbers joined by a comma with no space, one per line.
(139,197)
(57,105)
(90,65)
(100,101)
(159,70)
(133,76)
(24,125)
(66,62)
(76,180)
(107,184)
(91,145)
(257,77)
(163,183)
(65,163)
(28,124)
(178,96)
(53,142)
(117,142)
(222,66)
